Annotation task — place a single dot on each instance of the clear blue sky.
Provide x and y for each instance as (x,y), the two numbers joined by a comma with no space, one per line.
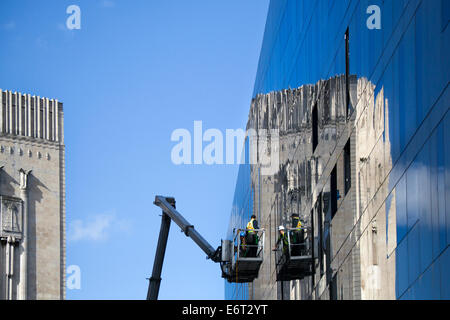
(136,71)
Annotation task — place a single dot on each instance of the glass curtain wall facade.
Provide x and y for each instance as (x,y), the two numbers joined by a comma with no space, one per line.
(363,154)
(241,212)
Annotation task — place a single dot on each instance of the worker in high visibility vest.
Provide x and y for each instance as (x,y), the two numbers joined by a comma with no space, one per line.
(243,250)
(282,237)
(252,224)
(297,235)
(296,223)
(252,237)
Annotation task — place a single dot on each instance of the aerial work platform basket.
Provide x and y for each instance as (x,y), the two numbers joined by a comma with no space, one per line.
(295,261)
(246,254)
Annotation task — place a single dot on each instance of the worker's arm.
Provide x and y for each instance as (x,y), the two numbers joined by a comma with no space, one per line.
(276,244)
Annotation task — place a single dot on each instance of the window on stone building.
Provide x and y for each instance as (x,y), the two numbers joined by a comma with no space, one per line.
(315,128)
(333,187)
(4,97)
(313,244)
(23,116)
(50,121)
(320,235)
(41,118)
(32,117)
(13,118)
(347,167)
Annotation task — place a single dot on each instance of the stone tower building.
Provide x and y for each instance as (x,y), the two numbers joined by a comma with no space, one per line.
(32,197)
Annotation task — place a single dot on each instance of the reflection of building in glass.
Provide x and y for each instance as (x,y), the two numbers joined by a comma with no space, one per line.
(32,197)
(362,157)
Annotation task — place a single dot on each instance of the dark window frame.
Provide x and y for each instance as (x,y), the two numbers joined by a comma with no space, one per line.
(333,187)
(347,167)
(315,127)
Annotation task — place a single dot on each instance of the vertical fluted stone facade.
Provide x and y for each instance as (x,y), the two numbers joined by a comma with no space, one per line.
(32,191)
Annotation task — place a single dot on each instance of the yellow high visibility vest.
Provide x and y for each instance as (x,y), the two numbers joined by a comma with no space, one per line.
(299,224)
(250,225)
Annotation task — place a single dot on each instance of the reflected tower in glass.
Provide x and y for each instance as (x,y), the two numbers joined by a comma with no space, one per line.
(362,122)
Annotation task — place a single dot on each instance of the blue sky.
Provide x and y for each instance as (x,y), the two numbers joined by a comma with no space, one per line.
(133,73)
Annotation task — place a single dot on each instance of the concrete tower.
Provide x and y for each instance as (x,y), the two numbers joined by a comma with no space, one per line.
(32,197)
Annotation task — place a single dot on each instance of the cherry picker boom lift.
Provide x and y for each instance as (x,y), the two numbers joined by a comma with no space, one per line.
(237,261)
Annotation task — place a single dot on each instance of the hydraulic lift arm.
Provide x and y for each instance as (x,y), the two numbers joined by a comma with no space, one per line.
(167,205)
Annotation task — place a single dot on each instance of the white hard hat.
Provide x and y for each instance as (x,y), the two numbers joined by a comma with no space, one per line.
(280,228)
